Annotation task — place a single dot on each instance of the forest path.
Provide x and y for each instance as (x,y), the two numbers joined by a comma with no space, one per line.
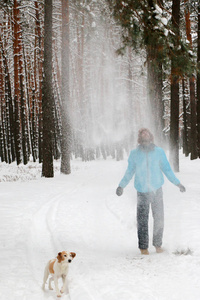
(81,213)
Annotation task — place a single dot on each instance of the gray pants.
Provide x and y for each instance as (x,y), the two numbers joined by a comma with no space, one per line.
(143,203)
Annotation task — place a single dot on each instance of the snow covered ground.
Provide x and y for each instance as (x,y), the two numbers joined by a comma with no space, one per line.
(81,213)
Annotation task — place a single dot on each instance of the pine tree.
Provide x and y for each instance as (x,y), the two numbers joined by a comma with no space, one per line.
(47,99)
(66,129)
(198,83)
(185,133)
(16,49)
(174,116)
(192,89)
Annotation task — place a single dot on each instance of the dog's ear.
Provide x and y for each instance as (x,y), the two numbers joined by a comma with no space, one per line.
(72,254)
(59,257)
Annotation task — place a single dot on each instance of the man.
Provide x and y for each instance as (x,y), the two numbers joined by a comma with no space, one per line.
(148,162)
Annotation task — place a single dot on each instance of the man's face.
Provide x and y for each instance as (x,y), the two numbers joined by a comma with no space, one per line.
(145,138)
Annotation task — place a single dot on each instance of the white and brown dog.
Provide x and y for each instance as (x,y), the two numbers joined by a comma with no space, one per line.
(57,268)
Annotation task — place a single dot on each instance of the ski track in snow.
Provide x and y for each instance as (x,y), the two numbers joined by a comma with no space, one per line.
(81,213)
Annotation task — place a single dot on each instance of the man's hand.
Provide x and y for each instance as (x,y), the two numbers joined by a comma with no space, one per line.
(119,191)
(182,188)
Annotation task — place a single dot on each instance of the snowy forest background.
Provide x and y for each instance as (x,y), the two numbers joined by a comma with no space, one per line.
(79,78)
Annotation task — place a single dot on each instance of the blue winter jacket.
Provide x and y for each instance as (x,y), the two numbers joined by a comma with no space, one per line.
(148,167)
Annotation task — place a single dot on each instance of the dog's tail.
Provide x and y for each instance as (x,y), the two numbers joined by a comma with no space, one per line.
(46,275)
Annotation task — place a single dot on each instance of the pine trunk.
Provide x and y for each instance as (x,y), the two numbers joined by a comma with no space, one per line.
(40,71)
(185,122)
(192,91)
(198,84)
(3,136)
(193,137)
(47,100)
(17,130)
(23,116)
(3,155)
(66,128)
(174,117)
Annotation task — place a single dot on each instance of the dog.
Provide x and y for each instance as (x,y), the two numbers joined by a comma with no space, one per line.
(58,268)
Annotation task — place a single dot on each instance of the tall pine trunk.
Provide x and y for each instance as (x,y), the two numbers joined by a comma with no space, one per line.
(2,97)
(47,99)
(24,125)
(198,84)
(17,131)
(66,130)
(186,147)
(192,91)
(174,116)
(40,45)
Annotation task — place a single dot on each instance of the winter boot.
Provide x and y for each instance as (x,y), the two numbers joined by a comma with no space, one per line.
(159,249)
(144,251)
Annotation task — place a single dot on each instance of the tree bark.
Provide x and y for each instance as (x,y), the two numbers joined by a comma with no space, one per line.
(47,99)
(17,130)
(193,146)
(198,84)
(174,118)
(66,128)
(185,122)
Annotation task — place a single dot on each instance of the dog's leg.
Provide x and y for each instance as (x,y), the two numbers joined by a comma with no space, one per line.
(46,275)
(64,279)
(50,280)
(56,286)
